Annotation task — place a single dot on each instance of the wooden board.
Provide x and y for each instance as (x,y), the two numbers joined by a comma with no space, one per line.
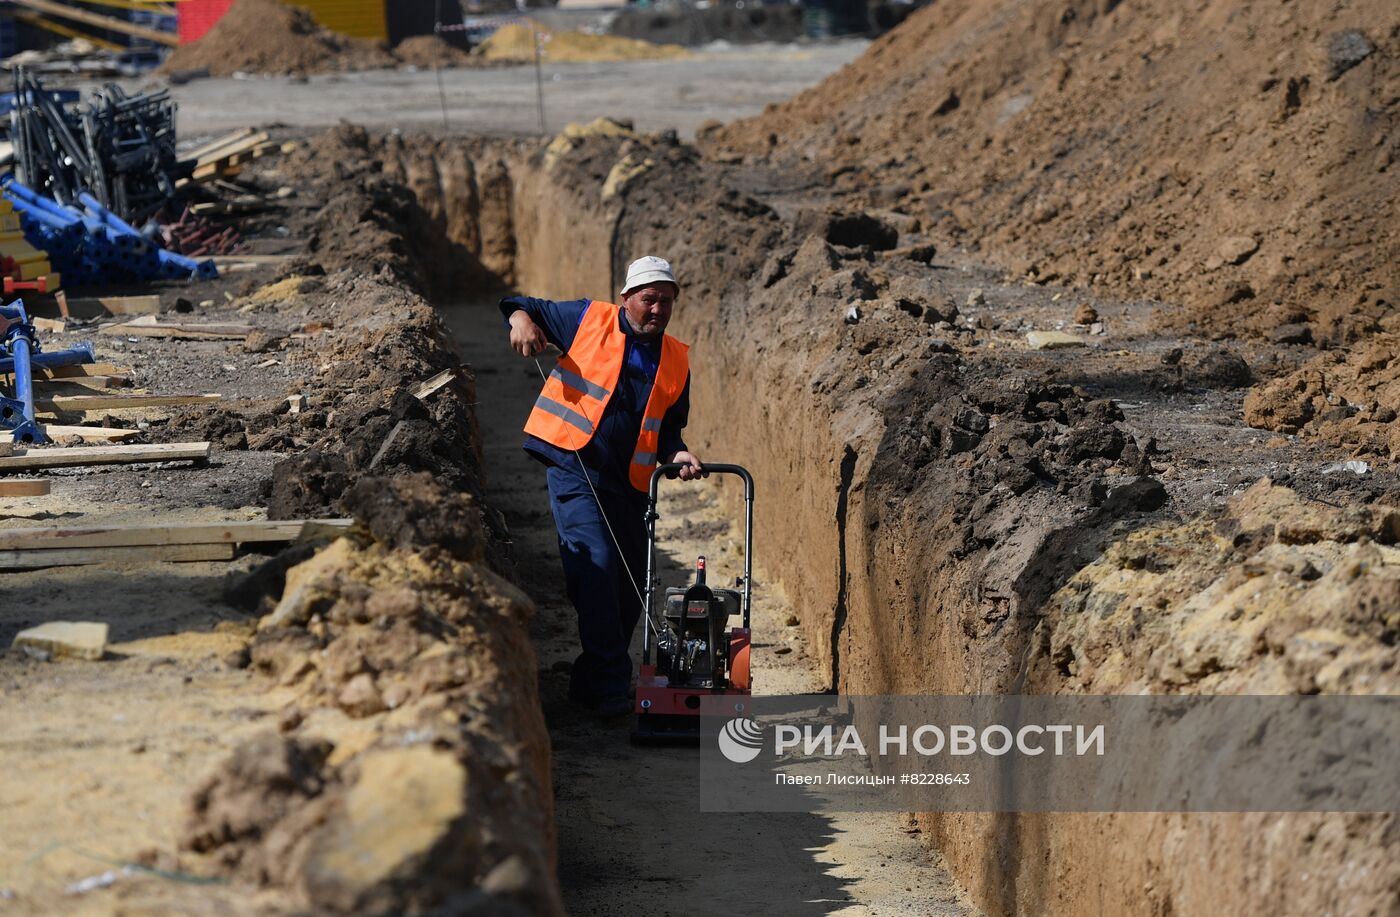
(221,260)
(141,554)
(174,533)
(81,383)
(24,459)
(211,148)
(428,386)
(24,487)
(90,434)
(110,23)
(65,403)
(82,369)
(235,146)
(115,305)
(172,330)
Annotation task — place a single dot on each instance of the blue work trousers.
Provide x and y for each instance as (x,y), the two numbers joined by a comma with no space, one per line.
(598,585)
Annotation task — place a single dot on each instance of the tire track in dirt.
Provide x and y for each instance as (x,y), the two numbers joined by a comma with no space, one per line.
(626,846)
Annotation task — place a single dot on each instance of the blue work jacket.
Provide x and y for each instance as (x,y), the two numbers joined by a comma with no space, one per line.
(608,454)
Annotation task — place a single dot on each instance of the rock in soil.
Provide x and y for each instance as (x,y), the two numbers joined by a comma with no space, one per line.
(75,639)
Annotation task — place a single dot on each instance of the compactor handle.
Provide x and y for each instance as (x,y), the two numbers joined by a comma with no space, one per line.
(671,469)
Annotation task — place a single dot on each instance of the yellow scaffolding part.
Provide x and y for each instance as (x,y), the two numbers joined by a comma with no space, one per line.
(140,6)
(99,20)
(59,28)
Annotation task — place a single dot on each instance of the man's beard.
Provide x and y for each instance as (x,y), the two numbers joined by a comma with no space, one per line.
(647,332)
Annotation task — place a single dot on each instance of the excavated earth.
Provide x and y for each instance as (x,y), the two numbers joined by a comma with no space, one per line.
(963,514)
(346,726)
(953,511)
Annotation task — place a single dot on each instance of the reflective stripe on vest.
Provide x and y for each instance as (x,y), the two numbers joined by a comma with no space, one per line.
(665,391)
(577,391)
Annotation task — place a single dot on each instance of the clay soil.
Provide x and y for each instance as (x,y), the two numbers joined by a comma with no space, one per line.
(1236,159)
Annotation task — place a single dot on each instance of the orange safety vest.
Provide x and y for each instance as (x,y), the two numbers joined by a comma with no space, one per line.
(577,391)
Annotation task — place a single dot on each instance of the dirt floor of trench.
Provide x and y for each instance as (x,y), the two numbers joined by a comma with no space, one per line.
(628,843)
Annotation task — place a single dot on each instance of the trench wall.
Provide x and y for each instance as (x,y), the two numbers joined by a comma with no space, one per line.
(920,565)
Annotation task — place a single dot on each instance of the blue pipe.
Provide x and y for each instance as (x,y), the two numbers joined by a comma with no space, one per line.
(14,190)
(105,215)
(20,337)
(74,356)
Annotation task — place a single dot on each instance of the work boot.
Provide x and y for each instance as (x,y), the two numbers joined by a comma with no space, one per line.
(605,707)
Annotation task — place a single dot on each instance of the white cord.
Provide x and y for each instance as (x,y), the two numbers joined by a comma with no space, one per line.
(621,556)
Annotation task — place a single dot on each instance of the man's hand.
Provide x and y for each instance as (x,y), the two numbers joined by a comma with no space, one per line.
(692,470)
(526,338)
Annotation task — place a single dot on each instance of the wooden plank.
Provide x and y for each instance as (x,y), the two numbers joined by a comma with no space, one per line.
(218,143)
(61,403)
(90,434)
(221,260)
(116,305)
(96,383)
(425,388)
(82,369)
(216,170)
(59,28)
(220,332)
(141,554)
(235,147)
(24,487)
(25,459)
(174,533)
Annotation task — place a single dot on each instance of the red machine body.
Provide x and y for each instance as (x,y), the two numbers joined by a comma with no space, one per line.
(692,650)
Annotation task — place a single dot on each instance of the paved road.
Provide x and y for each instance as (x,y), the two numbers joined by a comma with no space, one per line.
(681,94)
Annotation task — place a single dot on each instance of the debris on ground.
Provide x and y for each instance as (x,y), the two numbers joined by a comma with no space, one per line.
(76,639)
(1053,340)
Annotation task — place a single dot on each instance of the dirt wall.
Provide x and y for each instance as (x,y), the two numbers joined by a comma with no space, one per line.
(932,511)
(410,767)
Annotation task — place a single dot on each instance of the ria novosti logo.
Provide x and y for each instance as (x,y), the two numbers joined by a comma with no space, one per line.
(741,740)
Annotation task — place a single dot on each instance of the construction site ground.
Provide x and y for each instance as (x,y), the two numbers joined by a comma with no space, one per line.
(938,503)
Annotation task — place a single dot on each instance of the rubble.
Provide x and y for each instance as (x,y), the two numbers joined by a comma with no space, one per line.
(75,639)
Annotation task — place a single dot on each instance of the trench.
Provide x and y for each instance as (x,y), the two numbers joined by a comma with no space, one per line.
(910,562)
(632,840)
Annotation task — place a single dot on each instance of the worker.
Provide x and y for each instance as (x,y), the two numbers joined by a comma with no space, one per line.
(616,403)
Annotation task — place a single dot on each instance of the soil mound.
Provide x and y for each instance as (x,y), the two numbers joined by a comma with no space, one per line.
(428,51)
(1347,399)
(268,37)
(1238,157)
(516,43)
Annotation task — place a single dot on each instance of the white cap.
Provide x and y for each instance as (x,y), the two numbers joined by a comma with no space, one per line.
(648,269)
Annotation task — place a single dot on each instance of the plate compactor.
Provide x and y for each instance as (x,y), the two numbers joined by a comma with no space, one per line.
(691,650)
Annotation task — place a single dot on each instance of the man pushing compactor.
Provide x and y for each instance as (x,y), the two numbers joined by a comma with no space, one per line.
(616,402)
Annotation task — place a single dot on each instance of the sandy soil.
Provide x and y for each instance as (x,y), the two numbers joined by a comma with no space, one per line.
(782,864)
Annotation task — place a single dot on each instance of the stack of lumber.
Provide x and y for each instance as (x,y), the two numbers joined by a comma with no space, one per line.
(224,158)
(31,548)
